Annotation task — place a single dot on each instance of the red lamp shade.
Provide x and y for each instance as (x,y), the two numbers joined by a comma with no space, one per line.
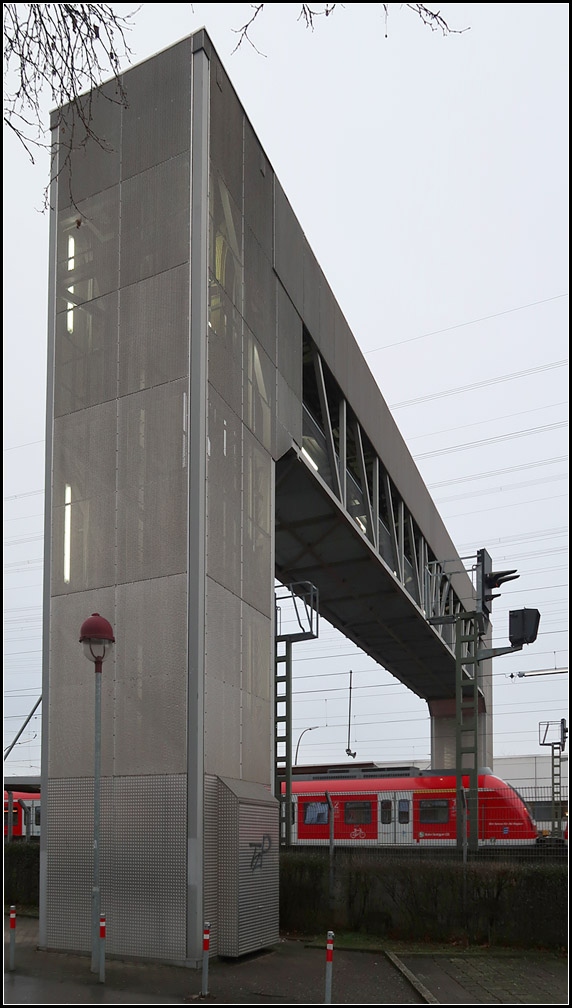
(96,635)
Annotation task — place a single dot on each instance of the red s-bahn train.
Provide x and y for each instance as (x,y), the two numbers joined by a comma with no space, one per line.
(406,811)
(31,801)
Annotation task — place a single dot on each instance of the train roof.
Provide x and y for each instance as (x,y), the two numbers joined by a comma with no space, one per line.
(353,771)
(446,779)
(23,784)
(23,795)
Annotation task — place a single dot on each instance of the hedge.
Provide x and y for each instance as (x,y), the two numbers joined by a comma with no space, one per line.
(21,874)
(501,903)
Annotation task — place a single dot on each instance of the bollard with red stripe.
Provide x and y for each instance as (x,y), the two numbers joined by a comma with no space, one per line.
(329,962)
(102,948)
(206,940)
(12,936)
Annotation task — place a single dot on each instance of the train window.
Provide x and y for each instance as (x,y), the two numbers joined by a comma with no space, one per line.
(316,813)
(403,810)
(14,817)
(357,813)
(37,815)
(386,816)
(434,810)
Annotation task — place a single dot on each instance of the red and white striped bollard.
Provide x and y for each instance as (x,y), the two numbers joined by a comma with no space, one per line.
(12,936)
(206,940)
(102,948)
(329,961)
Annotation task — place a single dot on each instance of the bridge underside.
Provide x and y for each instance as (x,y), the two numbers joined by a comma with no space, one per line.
(358,592)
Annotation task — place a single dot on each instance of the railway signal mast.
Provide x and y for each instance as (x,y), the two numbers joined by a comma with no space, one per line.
(470,628)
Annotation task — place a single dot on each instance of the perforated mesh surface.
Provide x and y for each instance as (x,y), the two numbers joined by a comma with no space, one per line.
(142,870)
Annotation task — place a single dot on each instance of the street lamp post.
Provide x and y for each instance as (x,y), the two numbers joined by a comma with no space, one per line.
(97,638)
(300,739)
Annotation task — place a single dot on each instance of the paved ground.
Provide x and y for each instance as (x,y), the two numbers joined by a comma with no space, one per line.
(292,972)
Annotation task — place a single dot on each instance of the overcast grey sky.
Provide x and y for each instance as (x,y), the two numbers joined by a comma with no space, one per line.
(430,176)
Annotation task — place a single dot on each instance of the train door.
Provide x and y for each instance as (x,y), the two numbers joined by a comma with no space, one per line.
(395,817)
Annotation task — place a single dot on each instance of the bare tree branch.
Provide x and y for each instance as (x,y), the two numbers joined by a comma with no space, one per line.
(66,50)
(308,14)
(59,49)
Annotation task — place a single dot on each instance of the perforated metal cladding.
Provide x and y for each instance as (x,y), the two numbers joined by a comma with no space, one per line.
(239,661)
(259,391)
(225,240)
(155,219)
(288,248)
(227,835)
(226,129)
(86,355)
(156,125)
(289,341)
(154,331)
(148,867)
(258,877)
(257,654)
(210,862)
(150,709)
(256,738)
(88,249)
(152,481)
(257,545)
(224,497)
(223,634)
(83,522)
(142,865)
(314,280)
(259,294)
(121,429)
(92,166)
(288,417)
(248,869)
(258,190)
(222,727)
(68,815)
(225,347)
(69,708)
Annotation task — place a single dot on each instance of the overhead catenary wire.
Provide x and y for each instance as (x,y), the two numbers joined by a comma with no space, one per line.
(498,472)
(461,325)
(481,384)
(494,440)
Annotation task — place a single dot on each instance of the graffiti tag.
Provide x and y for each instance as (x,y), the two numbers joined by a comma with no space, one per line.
(260,849)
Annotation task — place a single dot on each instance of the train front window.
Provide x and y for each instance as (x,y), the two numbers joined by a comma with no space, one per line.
(316,814)
(357,813)
(403,811)
(386,817)
(434,810)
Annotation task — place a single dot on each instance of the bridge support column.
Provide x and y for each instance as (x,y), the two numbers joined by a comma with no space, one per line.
(443,728)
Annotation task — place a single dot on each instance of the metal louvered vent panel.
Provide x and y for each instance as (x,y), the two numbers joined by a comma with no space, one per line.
(258,877)
(248,868)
